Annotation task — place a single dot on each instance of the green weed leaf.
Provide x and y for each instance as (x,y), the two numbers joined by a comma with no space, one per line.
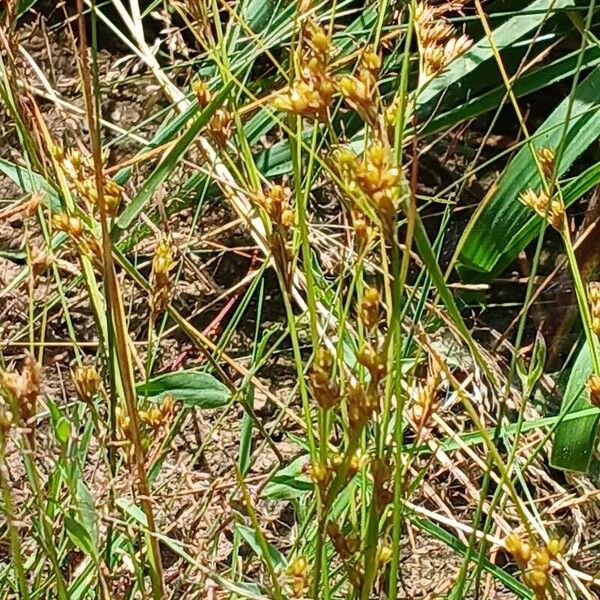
(193,388)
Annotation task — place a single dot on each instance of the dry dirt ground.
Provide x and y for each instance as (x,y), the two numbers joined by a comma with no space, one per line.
(194,489)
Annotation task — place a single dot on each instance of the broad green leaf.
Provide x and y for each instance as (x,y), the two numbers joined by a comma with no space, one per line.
(80,536)
(87,510)
(513,224)
(193,388)
(249,535)
(62,427)
(574,440)
(529,82)
(289,483)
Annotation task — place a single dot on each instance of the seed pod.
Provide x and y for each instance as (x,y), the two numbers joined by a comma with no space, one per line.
(202,92)
(325,389)
(160,279)
(369,308)
(86,381)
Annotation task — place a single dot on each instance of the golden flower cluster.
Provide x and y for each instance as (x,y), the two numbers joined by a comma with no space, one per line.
(124,423)
(363,229)
(534,561)
(369,307)
(86,242)
(551,210)
(438,44)
(220,125)
(373,359)
(593,385)
(160,278)
(21,389)
(275,204)
(375,176)
(160,415)
(79,173)
(362,404)
(202,92)
(86,381)
(298,575)
(323,385)
(310,95)
(594,298)
(546,158)
(360,90)
(426,398)
(322,473)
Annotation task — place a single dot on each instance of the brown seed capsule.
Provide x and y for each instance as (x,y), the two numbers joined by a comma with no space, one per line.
(202,92)
(23,388)
(369,308)
(325,389)
(160,278)
(373,361)
(220,125)
(86,381)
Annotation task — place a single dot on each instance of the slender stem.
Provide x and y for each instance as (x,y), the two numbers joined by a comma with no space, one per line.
(117,320)
(13,532)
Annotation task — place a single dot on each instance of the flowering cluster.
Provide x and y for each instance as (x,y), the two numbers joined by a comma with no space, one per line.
(159,415)
(594,298)
(275,204)
(86,242)
(551,210)
(376,176)
(438,44)
(21,390)
(324,387)
(220,125)
(86,381)
(546,158)
(160,279)
(311,94)
(79,173)
(425,398)
(535,561)
(360,90)
(298,576)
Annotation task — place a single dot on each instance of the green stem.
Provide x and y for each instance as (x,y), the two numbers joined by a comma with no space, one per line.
(15,540)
